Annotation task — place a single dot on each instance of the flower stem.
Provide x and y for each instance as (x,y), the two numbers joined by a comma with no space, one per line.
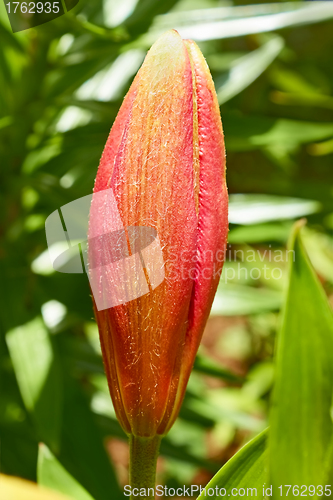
(143,458)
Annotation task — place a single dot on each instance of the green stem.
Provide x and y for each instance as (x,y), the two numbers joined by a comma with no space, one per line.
(143,458)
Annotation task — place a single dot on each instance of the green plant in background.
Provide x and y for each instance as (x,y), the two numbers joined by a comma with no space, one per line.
(61,87)
(296,450)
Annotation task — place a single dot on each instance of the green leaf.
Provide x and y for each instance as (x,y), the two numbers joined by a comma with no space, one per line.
(38,375)
(232,300)
(245,133)
(72,435)
(320,249)
(254,208)
(227,22)
(246,469)
(218,408)
(19,447)
(301,425)
(8,38)
(52,475)
(116,13)
(67,79)
(248,68)
(111,82)
(294,89)
(257,233)
(82,451)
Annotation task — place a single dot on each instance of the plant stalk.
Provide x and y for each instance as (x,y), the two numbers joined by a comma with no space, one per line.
(142,471)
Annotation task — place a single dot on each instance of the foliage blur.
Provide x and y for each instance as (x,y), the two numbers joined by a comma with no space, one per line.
(61,86)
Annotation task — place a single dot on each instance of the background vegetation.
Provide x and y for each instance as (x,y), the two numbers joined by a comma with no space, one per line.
(61,86)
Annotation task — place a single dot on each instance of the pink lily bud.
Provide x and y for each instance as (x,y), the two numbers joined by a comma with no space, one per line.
(164,165)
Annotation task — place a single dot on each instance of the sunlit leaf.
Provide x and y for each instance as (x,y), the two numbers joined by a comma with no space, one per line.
(319,246)
(109,83)
(52,475)
(254,208)
(226,22)
(247,68)
(38,374)
(115,12)
(69,78)
(231,300)
(246,469)
(82,451)
(78,451)
(301,425)
(232,406)
(70,118)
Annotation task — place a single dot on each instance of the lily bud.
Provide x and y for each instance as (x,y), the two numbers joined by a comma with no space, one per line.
(164,161)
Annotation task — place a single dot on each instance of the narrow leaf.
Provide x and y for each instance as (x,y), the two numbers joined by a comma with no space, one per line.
(232,300)
(246,469)
(301,426)
(227,22)
(38,376)
(248,68)
(82,451)
(254,208)
(54,476)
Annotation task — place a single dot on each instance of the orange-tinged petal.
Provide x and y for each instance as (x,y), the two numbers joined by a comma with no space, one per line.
(213,200)
(213,216)
(105,168)
(152,180)
(165,164)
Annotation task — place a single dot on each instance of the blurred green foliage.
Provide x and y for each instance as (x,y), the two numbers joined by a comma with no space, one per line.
(61,86)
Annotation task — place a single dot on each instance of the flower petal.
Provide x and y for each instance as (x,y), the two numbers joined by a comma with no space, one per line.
(153,184)
(213,213)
